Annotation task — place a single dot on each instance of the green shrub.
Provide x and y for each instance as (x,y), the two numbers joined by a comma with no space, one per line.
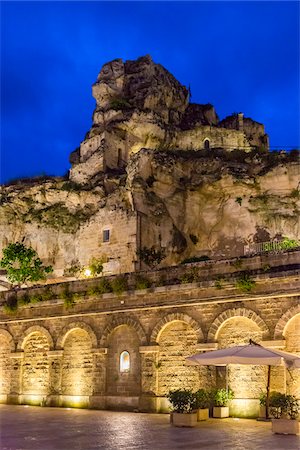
(11,305)
(24,300)
(23,265)
(119,103)
(69,299)
(245,283)
(183,400)
(119,285)
(35,298)
(151,256)
(221,397)
(104,286)
(74,270)
(283,404)
(96,266)
(203,399)
(189,277)
(142,282)
(219,283)
(237,264)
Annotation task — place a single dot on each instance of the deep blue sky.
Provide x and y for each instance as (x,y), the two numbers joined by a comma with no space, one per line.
(239,56)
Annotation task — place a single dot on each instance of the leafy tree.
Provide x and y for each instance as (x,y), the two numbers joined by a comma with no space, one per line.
(23,264)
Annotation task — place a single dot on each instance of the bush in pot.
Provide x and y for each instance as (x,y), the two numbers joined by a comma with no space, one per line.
(203,401)
(262,405)
(184,405)
(221,398)
(285,410)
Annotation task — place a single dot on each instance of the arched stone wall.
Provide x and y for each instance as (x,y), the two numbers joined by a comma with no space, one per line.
(247,381)
(132,323)
(284,320)
(159,327)
(6,347)
(77,363)
(35,329)
(292,344)
(35,371)
(236,312)
(71,327)
(178,339)
(123,338)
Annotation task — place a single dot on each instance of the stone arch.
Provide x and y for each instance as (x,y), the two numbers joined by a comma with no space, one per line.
(35,329)
(9,338)
(7,346)
(72,326)
(115,323)
(284,320)
(206,143)
(235,312)
(159,327)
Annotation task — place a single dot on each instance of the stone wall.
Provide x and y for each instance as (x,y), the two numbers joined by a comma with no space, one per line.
(55,355)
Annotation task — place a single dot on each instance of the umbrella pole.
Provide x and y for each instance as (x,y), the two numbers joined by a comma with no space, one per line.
(268,392)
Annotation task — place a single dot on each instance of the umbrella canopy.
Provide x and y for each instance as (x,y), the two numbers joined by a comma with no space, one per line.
(252,354)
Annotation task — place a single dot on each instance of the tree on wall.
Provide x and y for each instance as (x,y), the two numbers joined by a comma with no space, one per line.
(22,264)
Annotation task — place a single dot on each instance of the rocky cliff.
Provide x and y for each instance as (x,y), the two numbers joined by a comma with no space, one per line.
(166,178)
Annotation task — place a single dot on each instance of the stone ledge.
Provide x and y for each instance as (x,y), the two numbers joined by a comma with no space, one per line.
(55,353)
(276,343)
(205,346)
(100,351)
(17,355)
(149,349)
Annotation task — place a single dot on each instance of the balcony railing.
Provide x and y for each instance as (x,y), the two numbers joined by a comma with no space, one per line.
(271,246)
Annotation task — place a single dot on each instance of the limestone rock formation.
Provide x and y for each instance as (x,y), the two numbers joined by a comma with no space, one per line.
(156,180)
(140,104)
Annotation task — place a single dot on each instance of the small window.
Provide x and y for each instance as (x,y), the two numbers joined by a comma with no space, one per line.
(106,235)
(124,362)
(206,144)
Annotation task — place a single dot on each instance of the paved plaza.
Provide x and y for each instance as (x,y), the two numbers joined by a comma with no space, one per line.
(35,428)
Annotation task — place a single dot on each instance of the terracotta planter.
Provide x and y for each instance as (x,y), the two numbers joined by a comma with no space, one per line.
(184,420)
(202,414)
(285,426)
(221,412)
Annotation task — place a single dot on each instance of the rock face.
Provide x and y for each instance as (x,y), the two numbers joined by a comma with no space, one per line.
(156,180)
(140,104)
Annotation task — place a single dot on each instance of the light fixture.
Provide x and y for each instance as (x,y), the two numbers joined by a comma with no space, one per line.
(87,272)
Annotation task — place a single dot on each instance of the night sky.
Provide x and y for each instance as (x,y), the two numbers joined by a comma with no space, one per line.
(239,56)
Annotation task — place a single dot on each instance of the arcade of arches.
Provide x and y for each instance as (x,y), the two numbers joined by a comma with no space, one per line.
(131,360)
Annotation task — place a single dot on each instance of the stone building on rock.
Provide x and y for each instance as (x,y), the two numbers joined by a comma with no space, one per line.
(157,181)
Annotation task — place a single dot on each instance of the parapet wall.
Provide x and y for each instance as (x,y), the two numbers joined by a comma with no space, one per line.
(61,355)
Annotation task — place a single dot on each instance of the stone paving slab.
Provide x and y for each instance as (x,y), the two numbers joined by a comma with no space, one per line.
(35,428)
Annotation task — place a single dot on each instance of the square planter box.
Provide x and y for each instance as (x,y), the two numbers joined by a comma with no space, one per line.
(285,426)
(262,412)
(221,412)
(184,420)
(202,414)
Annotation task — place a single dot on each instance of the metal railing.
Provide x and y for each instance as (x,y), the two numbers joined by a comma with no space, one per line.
(271,247)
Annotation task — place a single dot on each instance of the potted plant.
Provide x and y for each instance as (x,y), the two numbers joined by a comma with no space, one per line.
(202,404)
(184,404)
(221,399)
(262,405)
(285,410)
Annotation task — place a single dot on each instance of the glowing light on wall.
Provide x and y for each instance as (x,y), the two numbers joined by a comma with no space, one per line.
(87,272)
(124,362)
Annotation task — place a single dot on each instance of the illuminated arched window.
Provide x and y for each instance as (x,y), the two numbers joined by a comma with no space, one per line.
(206,144)
(124,362)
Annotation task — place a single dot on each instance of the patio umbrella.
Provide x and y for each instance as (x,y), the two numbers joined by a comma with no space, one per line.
(250,354)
